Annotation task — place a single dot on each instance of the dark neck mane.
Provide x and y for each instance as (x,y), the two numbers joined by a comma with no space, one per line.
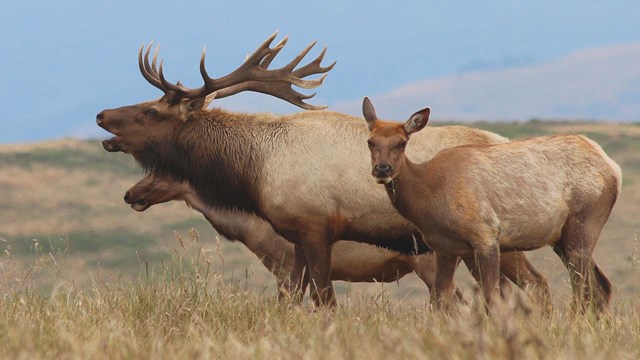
(220,154)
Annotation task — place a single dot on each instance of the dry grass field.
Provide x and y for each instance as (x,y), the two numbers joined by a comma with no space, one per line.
(84,276)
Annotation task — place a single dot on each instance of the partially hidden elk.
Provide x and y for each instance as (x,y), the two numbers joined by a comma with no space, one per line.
(303,173)
(350,261)
(481,200)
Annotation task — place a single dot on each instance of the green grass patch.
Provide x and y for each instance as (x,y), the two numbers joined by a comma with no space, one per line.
(194,222)
(615,144)
(512,130)
(131,261)
(79,242)
(70,158)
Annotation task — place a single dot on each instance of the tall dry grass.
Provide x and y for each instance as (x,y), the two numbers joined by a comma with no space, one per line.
(184,309)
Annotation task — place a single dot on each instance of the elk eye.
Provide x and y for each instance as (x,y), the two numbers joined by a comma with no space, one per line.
(402,145)
(150,112)
(370,144)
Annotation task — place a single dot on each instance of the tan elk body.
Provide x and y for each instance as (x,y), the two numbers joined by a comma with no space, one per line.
(481,199)
(302,173)
(351,261)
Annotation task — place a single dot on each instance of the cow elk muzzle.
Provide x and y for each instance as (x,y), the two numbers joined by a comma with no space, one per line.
(382,173)
(138,203)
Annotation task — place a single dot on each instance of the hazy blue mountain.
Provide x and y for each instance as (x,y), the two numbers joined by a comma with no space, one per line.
(597,84)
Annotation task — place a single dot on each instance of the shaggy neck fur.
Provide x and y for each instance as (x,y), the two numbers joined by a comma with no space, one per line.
(220,154)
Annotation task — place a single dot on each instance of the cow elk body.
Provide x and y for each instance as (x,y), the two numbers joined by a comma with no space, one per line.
(302,173)
(480,199)
(351,261)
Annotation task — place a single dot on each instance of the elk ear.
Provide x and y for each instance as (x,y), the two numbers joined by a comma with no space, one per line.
(369,112)
(417,121)
(209,99)
(193,105)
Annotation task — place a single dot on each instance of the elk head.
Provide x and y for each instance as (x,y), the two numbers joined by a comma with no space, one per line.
(151,191)
(138,125)
(388,140)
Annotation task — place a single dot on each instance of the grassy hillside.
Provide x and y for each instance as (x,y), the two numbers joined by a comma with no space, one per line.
(84,276)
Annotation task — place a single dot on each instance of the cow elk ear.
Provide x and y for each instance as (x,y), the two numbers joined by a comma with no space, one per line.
(417,121)
(369,112)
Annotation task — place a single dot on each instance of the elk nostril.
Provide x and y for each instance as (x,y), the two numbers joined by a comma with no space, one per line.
(384,168)
(100,118)
(126,197)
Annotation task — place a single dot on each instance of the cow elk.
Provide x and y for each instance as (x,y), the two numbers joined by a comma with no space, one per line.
(304,173)
(351,261)
(479,200)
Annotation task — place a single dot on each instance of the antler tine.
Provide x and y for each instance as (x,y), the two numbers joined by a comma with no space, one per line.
(176,88)
(309,69)
(155,58)
(203,70)
(287,74)
(265,48)
(179,90)
(290,66)
(314,66)
(279,89)
(269,58)
(263,51)
(143,64)
(244,72)
(312,84)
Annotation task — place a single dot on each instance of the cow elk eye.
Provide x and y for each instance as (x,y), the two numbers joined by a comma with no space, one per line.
(402,145)
(370,144)
(150,112)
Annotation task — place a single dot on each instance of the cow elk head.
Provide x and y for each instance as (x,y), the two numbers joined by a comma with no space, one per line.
(388,140)
(136,125)
(151,191)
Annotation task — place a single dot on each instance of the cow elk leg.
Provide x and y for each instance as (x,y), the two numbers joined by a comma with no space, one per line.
(591,288)
(517,268)
(444,286)
(425,267)
(488,264)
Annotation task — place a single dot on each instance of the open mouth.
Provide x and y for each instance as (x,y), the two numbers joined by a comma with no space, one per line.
(140,205)
(112,145)
(137,205)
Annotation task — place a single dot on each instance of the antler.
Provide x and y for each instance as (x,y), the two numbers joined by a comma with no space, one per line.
(252,75)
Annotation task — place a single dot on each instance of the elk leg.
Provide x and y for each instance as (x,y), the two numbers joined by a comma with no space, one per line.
(425,267)
(318,255)
(591,288)
(296,283)
(444,287)
(517,268)
(578,266)
(287,291)
(474,270)
(488,263)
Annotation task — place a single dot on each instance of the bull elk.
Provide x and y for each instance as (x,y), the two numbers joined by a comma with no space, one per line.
(302,173)
(479,200)
(351,261)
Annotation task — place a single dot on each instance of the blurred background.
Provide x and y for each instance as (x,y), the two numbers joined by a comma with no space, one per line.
(518,68)
(62,62)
